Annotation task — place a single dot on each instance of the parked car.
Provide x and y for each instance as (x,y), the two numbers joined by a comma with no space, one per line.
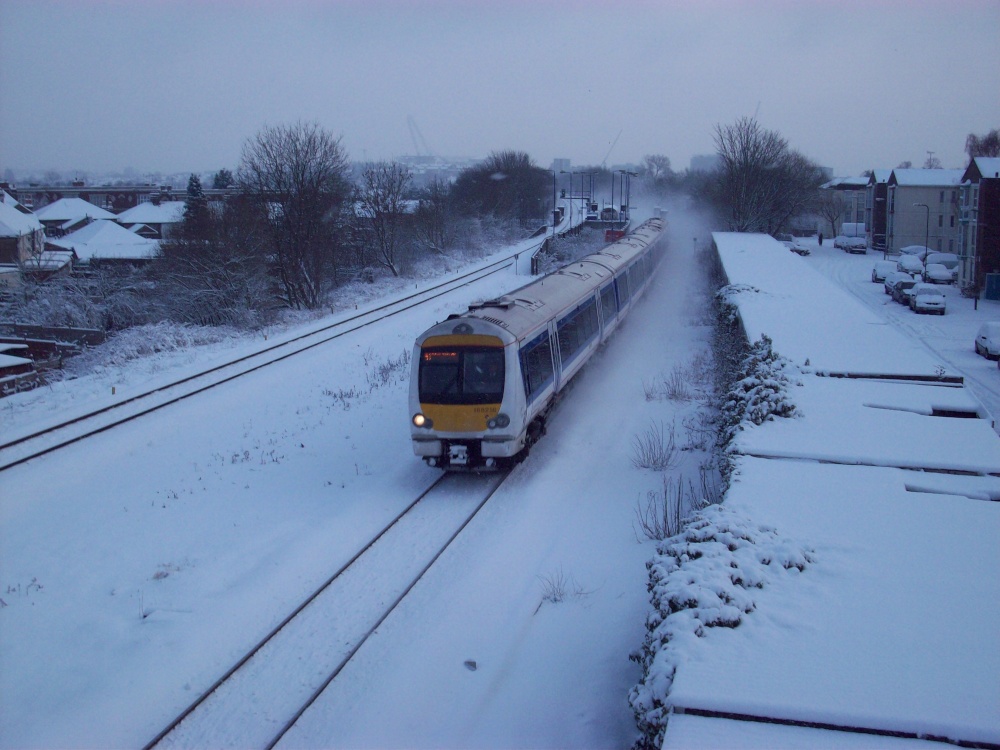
(909,263)
(927,298)
(948,260)
(987,343)
(799,247)
(935,273)
(851,244)
(919,250)
(892,278)
(901,289)
(881,269)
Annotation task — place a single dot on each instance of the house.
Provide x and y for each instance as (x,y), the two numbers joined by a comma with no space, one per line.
(106,240)
(877,208)
(21,233)
(155,221)
(922,209)
(69,214)
(979,226)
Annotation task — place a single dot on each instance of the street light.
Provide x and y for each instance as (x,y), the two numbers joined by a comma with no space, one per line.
(570,197)
(553,201)
(927,232)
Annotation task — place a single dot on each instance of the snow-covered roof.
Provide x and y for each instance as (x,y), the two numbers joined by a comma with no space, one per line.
(67,209)
(928,177)
(880,175)
(830,332)
(844,183)
(167,212)
(989,166)
(50,260)
(106,239)
(13,223)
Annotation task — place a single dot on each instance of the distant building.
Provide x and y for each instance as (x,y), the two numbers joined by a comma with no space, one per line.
(153,221)
(923,209)
(21,233)
(66,215)
(560,165)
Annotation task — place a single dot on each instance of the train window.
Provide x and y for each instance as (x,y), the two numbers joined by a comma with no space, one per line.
(608,306)
(461,375)
(536,365)
(577,329)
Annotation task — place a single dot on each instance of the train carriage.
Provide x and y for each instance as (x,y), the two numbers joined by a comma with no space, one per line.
(483,381)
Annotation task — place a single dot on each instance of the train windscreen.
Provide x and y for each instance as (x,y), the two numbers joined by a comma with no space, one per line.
(461,375)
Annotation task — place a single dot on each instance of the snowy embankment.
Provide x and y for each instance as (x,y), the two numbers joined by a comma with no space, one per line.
(854,579)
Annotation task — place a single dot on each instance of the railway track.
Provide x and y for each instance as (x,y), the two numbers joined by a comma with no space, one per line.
(20,449)
(256,702)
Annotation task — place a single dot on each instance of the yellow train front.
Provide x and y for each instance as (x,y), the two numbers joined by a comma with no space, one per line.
(466,415)
(483,382)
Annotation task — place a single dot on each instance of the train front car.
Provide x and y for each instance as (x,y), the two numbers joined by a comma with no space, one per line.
(464,400)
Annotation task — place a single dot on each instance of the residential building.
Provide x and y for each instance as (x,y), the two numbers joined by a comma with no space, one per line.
(979,223)
(68,215)
(851,192)
(922,209)
(21,233)
(877,208)
(153,221)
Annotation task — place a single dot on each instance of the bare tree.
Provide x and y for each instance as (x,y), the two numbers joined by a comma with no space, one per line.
(431,222)
(761,184)
(831,207)
(987,145)
(381,210)
(297,176)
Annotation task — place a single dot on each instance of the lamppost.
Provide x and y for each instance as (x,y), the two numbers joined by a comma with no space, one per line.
(927,233)
(554,213)
(570,197)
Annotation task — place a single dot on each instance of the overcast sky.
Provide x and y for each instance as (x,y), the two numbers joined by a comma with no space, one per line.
(176,86)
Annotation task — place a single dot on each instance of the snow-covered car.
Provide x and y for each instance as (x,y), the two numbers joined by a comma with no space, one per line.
(892,278)
(910,264)
(987,343)
(948,260)
(901,291)
(882,269)
(935,273)
(918,250)
(799,247)
(927,298)
(851,244)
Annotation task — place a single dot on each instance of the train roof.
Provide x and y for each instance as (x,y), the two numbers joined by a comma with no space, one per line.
(521,312)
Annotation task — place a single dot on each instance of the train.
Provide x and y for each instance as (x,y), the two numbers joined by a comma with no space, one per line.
(483,382)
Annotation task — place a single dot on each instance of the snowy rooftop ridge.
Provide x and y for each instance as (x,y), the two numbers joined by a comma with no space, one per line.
(167,212)
(13,223)
(928,177)
(816,325)
(106,239)
(70,209)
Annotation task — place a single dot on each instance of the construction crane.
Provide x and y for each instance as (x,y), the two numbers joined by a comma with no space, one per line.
(614,143)
(418,138)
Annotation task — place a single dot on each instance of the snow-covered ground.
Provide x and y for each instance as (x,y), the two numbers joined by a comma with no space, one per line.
(137,565)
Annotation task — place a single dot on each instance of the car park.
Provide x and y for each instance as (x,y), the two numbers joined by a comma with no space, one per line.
(987,343)
(901,289)
(935,273)
(910,264)
(892,278)
(882,269)
(927,298)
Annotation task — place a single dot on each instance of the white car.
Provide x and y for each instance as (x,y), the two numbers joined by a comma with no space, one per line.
(910,264)
(881,269)
(892,278)
(987,342)
(927,298)
(919,250)
(851,244)
(799,247)
(935,273)
(948,260)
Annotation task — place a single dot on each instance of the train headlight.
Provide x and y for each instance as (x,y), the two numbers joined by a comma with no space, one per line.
(419,420)
(498,422)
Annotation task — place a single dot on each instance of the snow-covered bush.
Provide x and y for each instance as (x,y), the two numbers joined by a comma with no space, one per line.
(759,395)
(703,578)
